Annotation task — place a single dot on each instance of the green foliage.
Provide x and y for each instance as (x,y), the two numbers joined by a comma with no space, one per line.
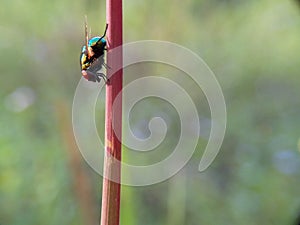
(253,48)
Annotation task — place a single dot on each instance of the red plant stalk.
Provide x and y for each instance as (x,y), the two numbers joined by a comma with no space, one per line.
(110,213)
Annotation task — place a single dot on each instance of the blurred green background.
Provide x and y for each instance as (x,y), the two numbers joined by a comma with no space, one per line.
(252,47)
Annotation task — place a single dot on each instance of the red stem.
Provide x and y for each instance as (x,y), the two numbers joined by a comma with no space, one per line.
(110,214)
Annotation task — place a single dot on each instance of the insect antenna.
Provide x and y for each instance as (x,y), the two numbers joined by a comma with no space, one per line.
(86,36)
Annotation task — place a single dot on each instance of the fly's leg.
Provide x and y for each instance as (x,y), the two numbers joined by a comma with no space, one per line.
(106,66)
(104,77)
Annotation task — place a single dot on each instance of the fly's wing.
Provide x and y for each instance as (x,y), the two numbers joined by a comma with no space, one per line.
(96,65)
(94,72)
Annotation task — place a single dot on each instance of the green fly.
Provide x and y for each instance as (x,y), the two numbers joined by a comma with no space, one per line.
(92,56)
